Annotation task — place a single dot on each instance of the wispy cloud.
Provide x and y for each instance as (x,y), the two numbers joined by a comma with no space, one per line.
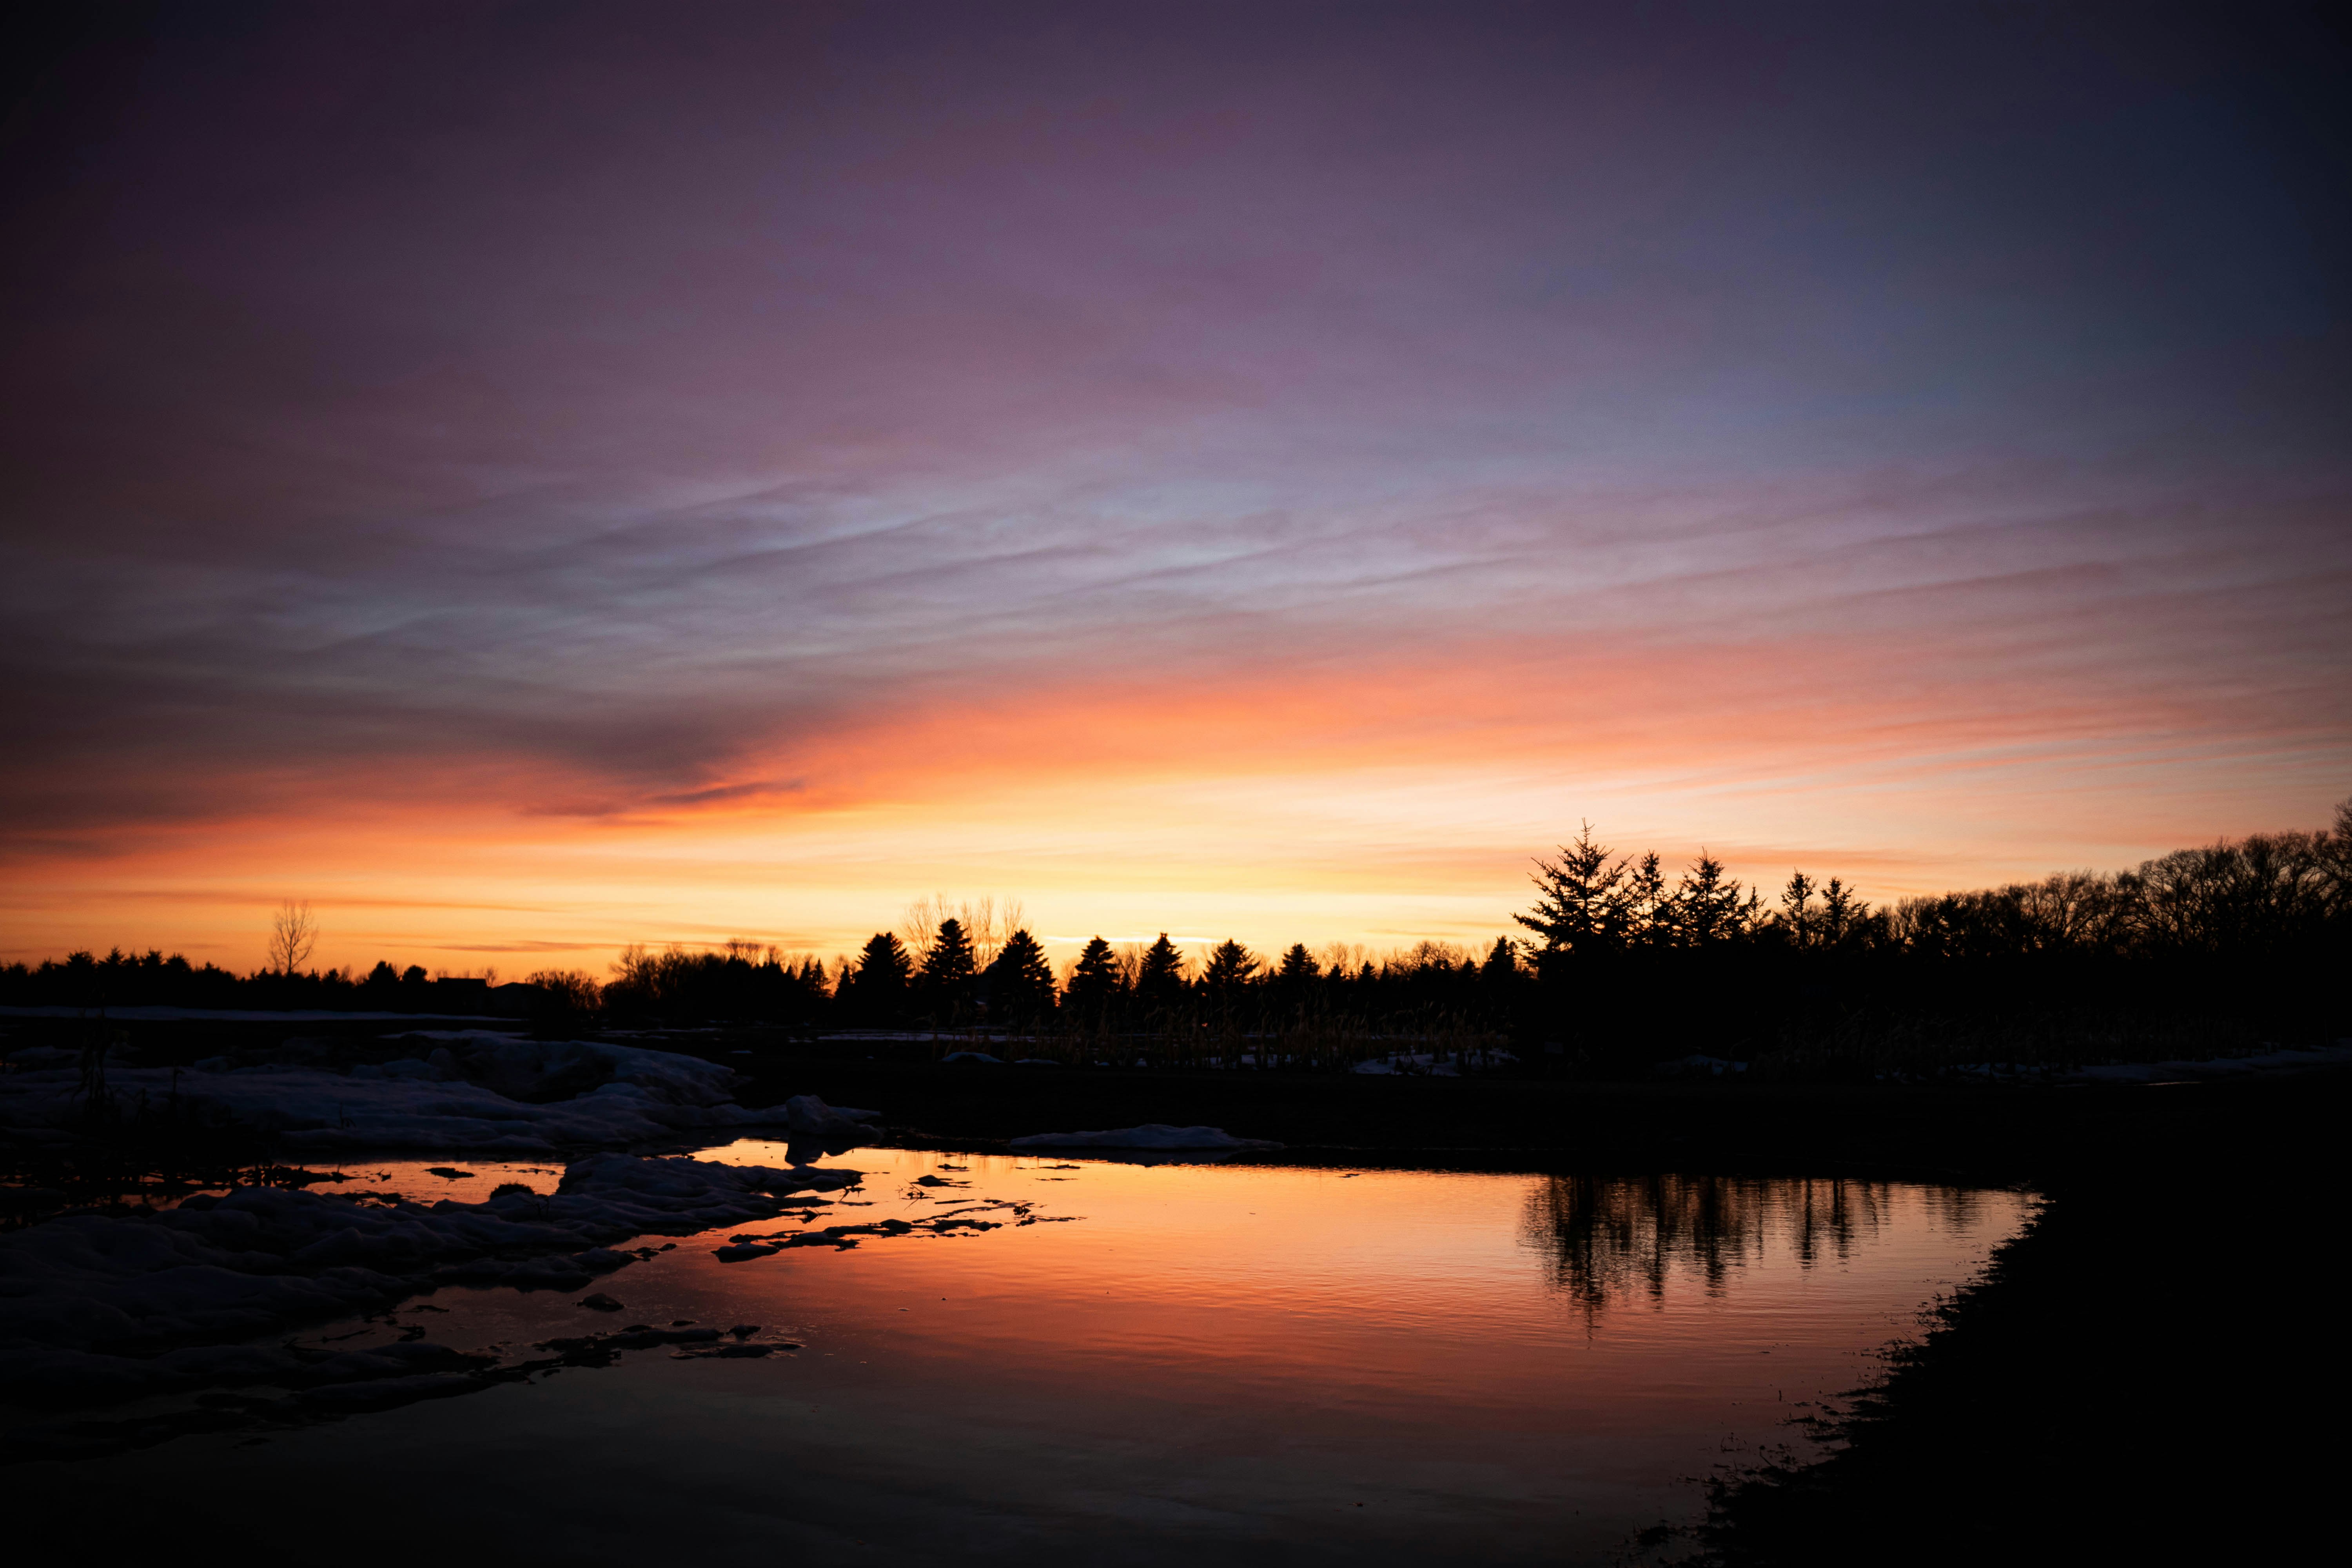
(879,420)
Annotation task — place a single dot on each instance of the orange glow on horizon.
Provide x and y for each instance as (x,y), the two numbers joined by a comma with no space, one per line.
(1380,803)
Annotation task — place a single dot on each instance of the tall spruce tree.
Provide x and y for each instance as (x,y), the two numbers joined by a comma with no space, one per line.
(1580,899)
(1502,964)
(1649,905)
(1843,916)
(874,994)
(1159,979)
(944,986)
(1707,909)
(1295,984)
(1795,916)
(1230,965)
(1096,986)
(1498,983)
(1019,983)
(1225,981)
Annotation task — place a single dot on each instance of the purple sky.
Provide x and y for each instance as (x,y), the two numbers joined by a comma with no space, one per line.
(629,414)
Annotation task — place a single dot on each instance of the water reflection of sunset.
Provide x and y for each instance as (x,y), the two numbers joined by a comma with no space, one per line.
(1341,1294)
(1261,1358)
(1622,1240)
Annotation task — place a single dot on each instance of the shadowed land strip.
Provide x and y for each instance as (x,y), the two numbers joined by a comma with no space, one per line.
(2137,1377)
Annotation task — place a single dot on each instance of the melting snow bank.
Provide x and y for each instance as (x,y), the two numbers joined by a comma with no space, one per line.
(1156,1135)
(100,1307)
(473,1093)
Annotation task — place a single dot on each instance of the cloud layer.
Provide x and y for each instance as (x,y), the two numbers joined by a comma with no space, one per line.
(1096,455)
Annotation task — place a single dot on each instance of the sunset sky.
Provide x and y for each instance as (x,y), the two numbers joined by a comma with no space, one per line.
(533,479)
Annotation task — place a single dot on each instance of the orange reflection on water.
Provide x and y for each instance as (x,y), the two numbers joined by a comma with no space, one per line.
(1259,1362)
(1567,1344)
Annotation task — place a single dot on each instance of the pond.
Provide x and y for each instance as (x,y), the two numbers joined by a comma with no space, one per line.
(1258,1363)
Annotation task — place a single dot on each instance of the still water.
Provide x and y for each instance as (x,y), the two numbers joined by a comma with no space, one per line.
(1255,1363)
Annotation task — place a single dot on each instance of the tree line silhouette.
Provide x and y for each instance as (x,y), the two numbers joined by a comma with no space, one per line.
(1618,965)
(2227,944)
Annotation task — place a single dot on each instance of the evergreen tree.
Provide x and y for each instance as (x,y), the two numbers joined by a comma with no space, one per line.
(1581,902)
(1096,985)
(874,994)
(1843,914)
(1296,984)
(1159,979)
(1795,916)
(1230,965)
(382,984)
(1707,904)
(1502,962)
(1498,982)
(1019,983)
(1649,905)
(944,986)
(1225,981)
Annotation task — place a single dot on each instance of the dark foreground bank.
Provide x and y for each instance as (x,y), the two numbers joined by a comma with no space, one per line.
(1984,1134)
(2152,1372)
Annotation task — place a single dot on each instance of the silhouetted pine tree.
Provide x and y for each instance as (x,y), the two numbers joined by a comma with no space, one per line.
(1843,914)
(1230,966)
(1580,905)
(1096,986)
(1498,981)
(1019,983)
(1159,981)
(1795,915)
(943,989)
(1226,983)
(1707,904)
(1296,984)
(874,994)
(1649,905)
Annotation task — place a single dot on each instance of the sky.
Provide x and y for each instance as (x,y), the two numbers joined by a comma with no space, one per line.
(530,478)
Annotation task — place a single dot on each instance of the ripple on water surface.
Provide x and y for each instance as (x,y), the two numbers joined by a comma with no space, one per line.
(1267,1363)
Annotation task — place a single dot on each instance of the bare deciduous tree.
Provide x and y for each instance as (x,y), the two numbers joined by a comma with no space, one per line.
(292,934)
(988,921)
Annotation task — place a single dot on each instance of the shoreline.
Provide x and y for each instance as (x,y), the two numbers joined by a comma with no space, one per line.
(2090,1393)
(2099,1393)
(1991,1135)
(2117,1385)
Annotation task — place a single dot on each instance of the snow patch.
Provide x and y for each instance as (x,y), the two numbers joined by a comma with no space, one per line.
(106,1306)
(808,1117)
(476,1093)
